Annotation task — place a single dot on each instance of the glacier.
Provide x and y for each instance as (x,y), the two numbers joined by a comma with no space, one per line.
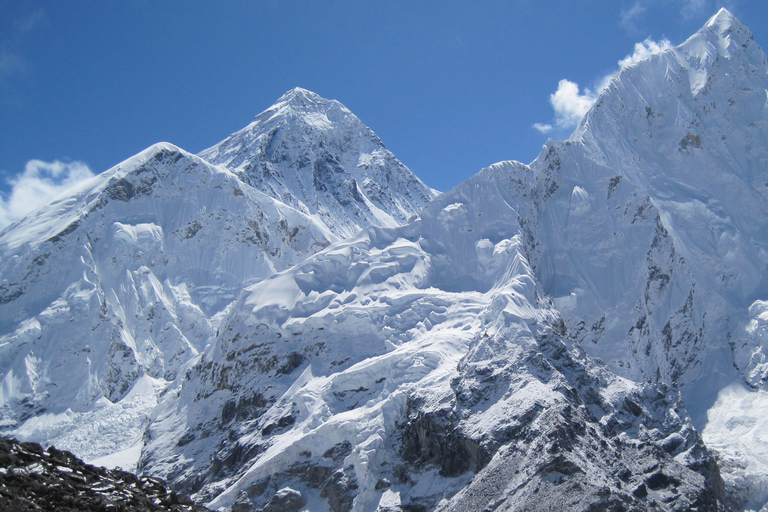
(126,278)
(291,320)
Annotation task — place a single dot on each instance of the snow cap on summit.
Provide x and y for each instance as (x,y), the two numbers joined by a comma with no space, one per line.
(315,155)
(722,35)
(299,93)
(725,25)
(723,19)
(300,100)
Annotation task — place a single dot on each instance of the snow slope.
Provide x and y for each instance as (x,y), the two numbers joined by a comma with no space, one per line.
(411,367)
(123,278)
(127,277)
(653,235)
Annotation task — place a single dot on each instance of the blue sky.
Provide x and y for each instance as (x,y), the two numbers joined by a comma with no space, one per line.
(449,86)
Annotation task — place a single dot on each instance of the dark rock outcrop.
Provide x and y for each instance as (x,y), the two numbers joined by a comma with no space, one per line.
(35,479)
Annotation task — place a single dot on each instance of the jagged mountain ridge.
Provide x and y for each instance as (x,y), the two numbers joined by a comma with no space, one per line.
(450,363)
(653,238)
(687,147)
(412,367)
(146,257)
(605,223)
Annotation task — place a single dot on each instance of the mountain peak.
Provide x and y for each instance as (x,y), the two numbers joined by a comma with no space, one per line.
(723,20)
(725,27)
(723,35)
(300,94)
(315,155)
(299,101)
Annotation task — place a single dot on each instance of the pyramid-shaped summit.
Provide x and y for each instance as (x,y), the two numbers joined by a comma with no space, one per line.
(725,37)
(724,20)
(315,155)
(299,99)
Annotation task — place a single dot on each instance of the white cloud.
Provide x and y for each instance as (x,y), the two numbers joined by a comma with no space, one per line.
(644,50)
(570,103)
(37,185)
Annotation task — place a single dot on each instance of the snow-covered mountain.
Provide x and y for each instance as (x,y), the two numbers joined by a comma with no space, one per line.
(586,332)
(652,239)
(317,156)
(108,292)
(449,363)
(420,368)
(671,162)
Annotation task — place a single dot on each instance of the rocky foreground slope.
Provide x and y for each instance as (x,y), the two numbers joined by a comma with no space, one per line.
(35,479)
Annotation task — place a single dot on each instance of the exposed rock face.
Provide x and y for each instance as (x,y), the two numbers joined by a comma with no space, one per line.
(559,432)
(285,500)
(33,479)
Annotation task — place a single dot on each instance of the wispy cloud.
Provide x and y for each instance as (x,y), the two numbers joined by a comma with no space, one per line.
(644,50)
(691,8)
(630,16)
(38,184)
(30,22)
(11,59)
(570,102)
